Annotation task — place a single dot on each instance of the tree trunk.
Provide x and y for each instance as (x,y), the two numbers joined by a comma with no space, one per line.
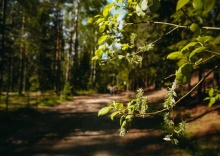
(8,84)
(2,51)
(58,25)
(93,63)
(69,52)
(75,43)
(21,60)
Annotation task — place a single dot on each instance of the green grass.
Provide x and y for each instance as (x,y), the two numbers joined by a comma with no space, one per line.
(32,100)
(85,92)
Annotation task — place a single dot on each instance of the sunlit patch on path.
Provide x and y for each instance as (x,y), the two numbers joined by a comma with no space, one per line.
(74,129)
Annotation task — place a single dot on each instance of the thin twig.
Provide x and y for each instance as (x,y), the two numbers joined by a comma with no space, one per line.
(170,76)
(212,52)
(156,22)
(180,99)
(211,28)
(171,24)
(210,71)
(148,114)
(164,35)
(159,38)
(187,15)
(206,60)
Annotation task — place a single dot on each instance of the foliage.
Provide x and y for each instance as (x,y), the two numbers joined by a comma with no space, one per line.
(128,112)
(49,102)
(38,45)
(67,90)
(213,96)
(32,100)
(85,92)
(196,50)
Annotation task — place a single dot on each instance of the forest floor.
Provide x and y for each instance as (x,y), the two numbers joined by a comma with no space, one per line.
(74,129)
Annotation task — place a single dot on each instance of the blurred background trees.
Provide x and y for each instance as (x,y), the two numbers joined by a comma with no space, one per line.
(46,45)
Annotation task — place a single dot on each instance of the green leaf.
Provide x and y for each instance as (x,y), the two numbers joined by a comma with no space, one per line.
(198,5)
(104,111)
(102,28)
(217,97)
(98,53)
(207,98)
(114,114)
(98,16)
(181,3)
(118,105)
(204,39)
(175,55)
(192,44)
(124,124)
(211,92)
(124,46)
(216,41)
(90,20)
(182,62)
(208,5)
(144,5)
(115,16)
(100,20)
(94,58)
(120,57)
(183,75)
(155,6)
(122,119)
(212,101)
(197,50)
(107,9)
(102,39)
(194,28)
(139,11)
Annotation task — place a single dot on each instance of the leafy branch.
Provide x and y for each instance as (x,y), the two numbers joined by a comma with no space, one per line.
(188,58)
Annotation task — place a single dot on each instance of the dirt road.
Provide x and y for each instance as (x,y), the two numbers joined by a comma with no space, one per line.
(73,129)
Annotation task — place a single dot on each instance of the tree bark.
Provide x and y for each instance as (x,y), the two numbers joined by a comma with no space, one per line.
(93,63)
(2,51)
(21,56)
(75,43)
(58,53)
(69,52)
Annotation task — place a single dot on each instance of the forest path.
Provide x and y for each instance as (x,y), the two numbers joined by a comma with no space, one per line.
(74,129)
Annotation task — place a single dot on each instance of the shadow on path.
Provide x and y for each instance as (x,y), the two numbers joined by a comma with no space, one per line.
(73,129)
(53,133)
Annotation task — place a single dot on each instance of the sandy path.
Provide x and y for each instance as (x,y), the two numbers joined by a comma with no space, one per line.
(73,129)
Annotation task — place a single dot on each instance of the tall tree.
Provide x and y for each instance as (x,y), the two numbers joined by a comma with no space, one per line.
(3,23)
(21,56)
